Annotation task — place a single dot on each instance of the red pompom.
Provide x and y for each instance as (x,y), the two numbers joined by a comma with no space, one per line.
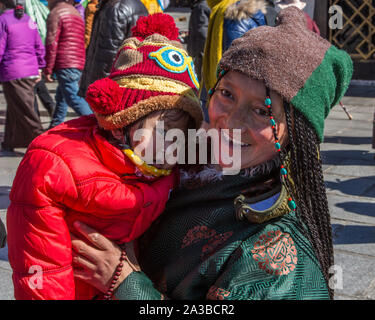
(104,96)
(160,23)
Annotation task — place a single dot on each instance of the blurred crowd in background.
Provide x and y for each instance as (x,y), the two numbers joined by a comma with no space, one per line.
(75,42)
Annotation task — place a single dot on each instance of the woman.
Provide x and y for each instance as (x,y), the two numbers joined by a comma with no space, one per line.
(264,233)
(21,56)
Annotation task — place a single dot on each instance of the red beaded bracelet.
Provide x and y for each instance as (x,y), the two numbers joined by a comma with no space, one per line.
(118,270)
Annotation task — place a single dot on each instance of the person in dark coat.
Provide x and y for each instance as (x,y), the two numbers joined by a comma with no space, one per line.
(111,26)
(198,26)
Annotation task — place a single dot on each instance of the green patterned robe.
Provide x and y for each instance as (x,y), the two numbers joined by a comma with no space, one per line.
(197,249)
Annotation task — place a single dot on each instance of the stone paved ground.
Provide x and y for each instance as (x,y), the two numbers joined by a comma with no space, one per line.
(349,171)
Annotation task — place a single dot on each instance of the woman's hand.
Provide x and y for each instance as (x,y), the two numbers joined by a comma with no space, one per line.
(96,259)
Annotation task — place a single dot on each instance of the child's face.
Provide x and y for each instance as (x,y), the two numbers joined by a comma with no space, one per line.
(156,126)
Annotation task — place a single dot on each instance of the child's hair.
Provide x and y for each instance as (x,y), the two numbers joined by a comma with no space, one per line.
(309,188)
(177,114)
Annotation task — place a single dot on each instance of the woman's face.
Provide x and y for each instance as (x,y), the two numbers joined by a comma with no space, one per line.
(238,103)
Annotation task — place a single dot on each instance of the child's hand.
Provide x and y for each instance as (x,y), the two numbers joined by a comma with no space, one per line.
(96,260)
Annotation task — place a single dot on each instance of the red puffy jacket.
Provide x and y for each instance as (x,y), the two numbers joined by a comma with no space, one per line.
(65,39)
(73,173)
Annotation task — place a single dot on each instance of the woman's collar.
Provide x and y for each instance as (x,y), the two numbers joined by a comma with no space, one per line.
(199,175)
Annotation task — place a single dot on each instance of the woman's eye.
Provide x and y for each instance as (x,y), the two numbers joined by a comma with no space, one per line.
(261,112)
(226,93)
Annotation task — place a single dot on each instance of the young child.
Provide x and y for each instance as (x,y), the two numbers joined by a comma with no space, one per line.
(86,170)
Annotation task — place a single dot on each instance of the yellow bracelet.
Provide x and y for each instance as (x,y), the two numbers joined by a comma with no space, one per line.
(144,167)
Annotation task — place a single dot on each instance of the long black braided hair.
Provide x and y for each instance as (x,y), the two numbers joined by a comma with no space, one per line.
(306,186)
(309,190)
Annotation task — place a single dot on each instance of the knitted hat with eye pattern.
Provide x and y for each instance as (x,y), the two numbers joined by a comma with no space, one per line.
(305,69)
(151,72)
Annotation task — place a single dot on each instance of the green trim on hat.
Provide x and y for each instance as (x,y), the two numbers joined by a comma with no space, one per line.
(324,88)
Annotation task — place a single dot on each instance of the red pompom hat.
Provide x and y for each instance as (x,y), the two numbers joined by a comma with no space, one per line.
(151,72)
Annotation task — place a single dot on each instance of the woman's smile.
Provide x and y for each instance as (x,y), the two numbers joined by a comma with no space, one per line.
(231,140)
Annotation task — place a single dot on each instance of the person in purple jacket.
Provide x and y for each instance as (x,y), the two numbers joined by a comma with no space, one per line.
(21,58)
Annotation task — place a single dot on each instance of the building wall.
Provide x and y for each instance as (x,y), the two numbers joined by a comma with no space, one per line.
(364,68)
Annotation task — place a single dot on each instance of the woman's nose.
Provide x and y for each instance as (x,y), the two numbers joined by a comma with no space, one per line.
(237,120)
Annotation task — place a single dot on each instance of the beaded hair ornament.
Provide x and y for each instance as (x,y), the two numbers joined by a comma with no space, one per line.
(283,171)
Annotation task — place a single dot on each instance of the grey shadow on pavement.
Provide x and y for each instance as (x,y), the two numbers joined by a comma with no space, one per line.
(355,157)
(353,234)
(11,154)
(348,140)
(4,197)
(363,208)
(4,254)
(350,186)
